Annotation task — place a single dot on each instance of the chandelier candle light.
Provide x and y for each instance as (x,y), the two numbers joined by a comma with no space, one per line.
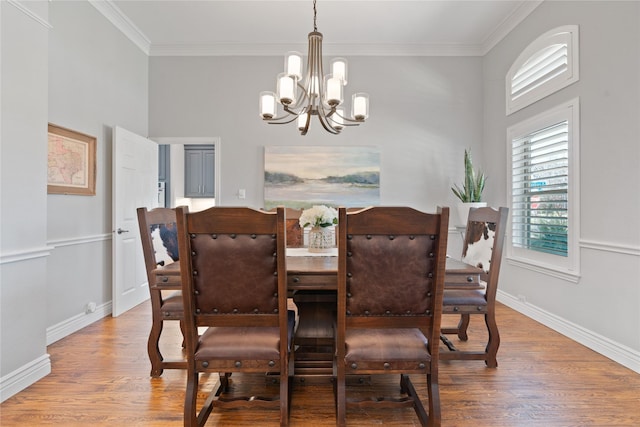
(316,94)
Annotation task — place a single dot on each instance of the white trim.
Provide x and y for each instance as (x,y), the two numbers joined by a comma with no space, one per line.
(45,251)
(615,351)
(567,34)
(122,23)
(80,240)
(24,376)
(329,49)
(549,270)
(567,268)
(186,140)
(610,247)
(25,255)
(31,14)
(511,22)
(77,322)
(130,30)
(217,143)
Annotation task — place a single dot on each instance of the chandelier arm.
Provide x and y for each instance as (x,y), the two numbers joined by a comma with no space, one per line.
(353,122)
(331,122)
(305,129)
(282,120)
(302,95)
(312,91)
(325,120)
(326,125)
(287,115)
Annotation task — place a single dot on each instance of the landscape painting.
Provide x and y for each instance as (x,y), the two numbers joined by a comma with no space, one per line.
(300,177)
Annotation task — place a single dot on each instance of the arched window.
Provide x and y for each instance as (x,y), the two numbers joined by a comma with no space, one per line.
(544,67)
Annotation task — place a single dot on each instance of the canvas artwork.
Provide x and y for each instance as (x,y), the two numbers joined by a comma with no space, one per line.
(300,177)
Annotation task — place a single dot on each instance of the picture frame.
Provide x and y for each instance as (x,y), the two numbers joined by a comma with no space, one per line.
(300,177)
(71,162)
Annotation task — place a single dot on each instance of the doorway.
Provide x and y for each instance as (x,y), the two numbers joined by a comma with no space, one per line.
(175,176)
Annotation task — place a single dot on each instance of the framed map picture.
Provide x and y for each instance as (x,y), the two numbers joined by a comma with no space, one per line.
(71,162)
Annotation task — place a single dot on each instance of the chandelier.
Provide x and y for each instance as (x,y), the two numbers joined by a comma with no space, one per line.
(316,94)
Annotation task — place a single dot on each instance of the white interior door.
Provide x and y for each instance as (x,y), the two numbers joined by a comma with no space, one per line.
(135,184)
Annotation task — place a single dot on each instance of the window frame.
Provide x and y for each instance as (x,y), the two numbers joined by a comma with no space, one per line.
(567,35)
(567,268)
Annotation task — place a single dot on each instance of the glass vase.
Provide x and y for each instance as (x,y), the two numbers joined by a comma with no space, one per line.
(321,239)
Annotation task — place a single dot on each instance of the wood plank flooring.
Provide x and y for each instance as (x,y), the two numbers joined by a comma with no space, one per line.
(100,377)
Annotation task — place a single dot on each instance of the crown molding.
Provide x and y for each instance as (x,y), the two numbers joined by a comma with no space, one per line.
(123,23)
(508,24)
(22,7)
(354,49)
(129,29)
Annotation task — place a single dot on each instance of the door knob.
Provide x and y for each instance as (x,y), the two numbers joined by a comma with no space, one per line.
(120,231)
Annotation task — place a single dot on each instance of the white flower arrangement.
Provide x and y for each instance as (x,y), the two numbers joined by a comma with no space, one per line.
(319,216)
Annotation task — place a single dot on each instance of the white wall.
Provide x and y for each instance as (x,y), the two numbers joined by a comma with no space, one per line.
(55,251)
(64,63)
(23,195)
(603,309)
(423,113)
(97,79)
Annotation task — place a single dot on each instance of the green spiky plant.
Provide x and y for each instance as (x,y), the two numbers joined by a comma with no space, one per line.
(473,182)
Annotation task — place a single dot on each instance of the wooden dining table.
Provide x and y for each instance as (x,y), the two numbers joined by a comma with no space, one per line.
(312,281)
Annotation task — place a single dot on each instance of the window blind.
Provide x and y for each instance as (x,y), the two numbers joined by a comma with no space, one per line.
(540,183)
(540,68)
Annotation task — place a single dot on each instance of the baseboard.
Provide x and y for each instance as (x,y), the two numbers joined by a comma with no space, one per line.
(613,350)
(24,376)
(75,323)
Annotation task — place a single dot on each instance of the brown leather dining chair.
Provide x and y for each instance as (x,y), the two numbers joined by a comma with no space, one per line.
(483,243)
(234,282)
(158,234)
(391,267)
(295,233)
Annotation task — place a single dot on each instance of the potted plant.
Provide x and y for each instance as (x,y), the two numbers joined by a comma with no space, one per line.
(470,194)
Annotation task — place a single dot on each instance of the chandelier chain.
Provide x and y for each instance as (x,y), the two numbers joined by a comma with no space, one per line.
(315,27)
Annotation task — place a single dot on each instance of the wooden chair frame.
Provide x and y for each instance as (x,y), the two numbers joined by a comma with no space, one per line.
(203,237)
(414,243)
(163,308)
(477,302)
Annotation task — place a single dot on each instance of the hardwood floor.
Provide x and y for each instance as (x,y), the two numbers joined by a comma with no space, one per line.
(100,376)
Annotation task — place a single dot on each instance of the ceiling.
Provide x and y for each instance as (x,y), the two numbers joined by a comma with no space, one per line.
(350,27)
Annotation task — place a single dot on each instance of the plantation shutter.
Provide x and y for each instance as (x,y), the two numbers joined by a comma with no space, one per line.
(540,183)
(539,69)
